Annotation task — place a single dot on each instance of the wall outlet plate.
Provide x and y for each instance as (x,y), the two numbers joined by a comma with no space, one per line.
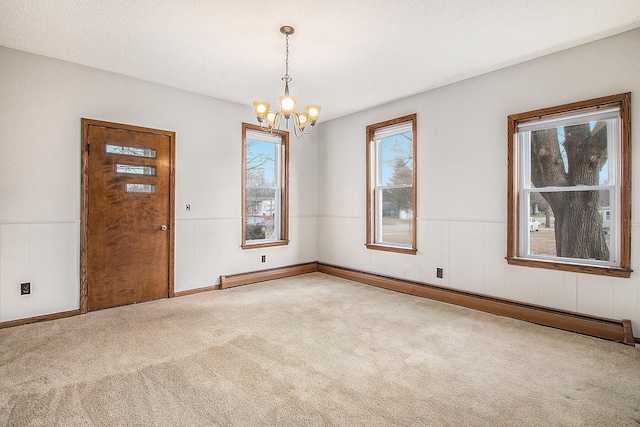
(25,288)
(439,273)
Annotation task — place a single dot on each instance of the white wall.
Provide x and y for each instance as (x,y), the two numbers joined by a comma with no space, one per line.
(41,103)
(462,176)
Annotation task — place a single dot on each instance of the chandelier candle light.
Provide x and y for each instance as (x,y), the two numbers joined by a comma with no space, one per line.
(287,104)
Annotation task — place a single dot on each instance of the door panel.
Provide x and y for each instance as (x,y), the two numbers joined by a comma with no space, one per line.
(128,209)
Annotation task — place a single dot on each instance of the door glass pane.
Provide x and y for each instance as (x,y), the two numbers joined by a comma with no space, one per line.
(140,188)
(130,151)
(135,169)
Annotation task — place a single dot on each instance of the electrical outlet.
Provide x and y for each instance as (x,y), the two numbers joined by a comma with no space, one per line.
(439,272)
(25,288)
(264,258)
(188,208)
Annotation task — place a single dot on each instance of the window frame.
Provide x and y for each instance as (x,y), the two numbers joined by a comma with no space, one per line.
(372,168)
(623,187)
(283,193)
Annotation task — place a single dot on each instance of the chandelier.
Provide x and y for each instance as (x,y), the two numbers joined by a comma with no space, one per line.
(271,120)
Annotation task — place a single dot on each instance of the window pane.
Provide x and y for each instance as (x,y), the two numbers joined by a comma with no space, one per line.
(582,232)
(395,159)
(397,216)
(261,164)
(565,156)
(262,209)
(130,151)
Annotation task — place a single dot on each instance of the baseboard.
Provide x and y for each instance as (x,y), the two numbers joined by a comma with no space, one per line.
(610,329)
(43,318)
(196,291)
(232,280)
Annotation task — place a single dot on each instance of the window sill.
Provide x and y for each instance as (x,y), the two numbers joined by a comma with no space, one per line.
(573,267)
(265,244)
(397,249)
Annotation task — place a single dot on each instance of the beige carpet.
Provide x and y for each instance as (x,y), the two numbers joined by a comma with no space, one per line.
(310,350)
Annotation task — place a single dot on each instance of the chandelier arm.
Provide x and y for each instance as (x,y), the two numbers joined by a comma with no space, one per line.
(275,129)
(297,131)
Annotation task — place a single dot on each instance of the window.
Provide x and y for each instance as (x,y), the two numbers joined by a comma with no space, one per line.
(391,185)
(265,191)
(569,205)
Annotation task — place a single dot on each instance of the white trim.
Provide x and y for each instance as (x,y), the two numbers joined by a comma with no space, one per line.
(392,130)
(568,120)
(263,136)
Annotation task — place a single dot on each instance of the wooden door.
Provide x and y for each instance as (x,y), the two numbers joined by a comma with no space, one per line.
(127,215)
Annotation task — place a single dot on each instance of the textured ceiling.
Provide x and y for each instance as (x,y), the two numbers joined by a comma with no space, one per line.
(346,55)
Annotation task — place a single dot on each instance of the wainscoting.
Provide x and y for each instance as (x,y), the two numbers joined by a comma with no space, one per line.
(48,256)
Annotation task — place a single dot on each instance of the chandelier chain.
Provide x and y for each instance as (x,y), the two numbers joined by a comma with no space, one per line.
(286,78)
